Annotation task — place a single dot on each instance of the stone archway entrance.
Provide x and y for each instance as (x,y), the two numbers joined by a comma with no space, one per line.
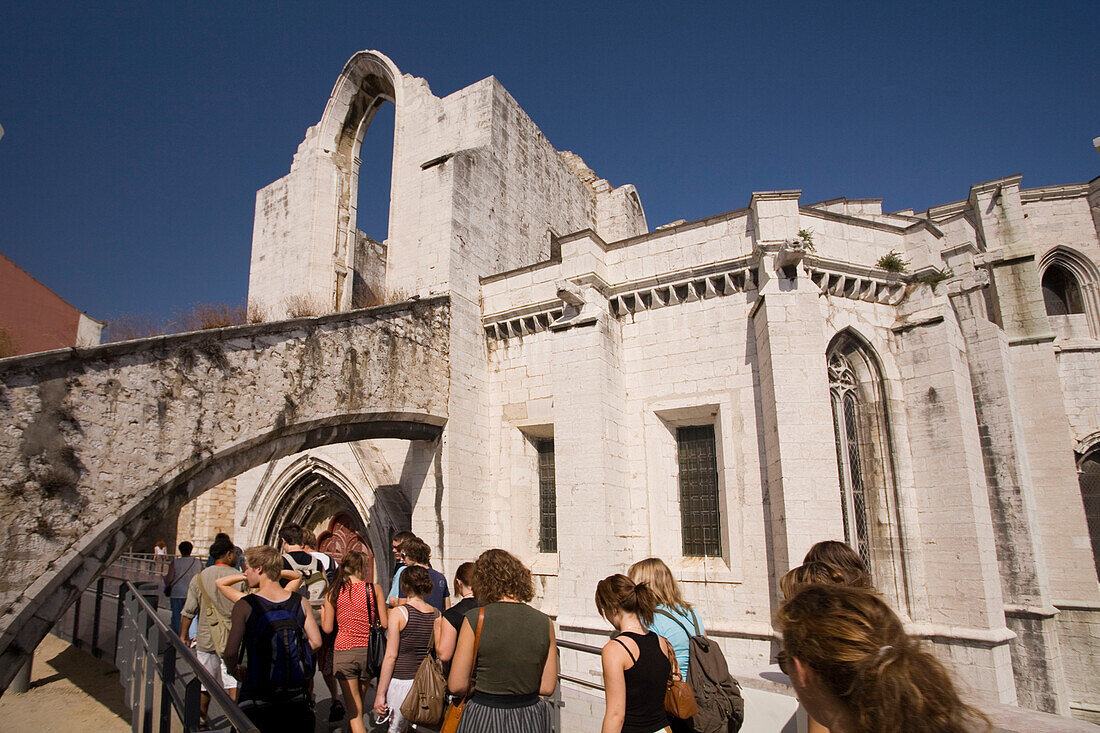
(318,504)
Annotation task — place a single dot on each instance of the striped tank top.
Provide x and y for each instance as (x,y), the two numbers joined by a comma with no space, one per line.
(415,639)
(355,612)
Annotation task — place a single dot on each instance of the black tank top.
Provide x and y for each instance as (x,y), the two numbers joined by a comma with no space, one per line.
(646,682)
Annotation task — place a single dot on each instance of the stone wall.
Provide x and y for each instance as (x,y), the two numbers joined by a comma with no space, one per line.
(102,441)
(206,515)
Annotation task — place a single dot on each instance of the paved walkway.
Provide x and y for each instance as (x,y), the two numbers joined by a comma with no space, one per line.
(70,690)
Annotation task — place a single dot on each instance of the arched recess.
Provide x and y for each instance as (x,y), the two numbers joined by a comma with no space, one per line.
(865,464)
(47,597)
(311,487)
(1071,285)
(369,80)
(1088,478)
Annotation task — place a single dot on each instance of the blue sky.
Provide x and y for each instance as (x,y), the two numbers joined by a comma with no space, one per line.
(136,135)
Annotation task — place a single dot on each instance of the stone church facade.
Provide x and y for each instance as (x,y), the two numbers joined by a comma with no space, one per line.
(721,393)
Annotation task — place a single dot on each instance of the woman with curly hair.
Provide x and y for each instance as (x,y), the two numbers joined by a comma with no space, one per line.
(517,657)
(855,669)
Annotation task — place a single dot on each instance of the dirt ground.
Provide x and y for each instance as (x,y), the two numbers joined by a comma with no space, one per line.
(70,690)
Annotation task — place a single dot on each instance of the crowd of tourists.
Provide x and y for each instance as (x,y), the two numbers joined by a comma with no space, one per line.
(268,619)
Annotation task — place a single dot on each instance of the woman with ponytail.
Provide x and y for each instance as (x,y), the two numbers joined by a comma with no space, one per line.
(856,670)
(637,662)
(674,619)
(351,607)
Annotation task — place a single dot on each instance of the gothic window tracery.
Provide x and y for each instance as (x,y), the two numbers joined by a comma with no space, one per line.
(843,388)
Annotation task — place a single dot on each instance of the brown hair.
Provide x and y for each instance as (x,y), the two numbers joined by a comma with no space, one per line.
(497,574)
(403,535)
(818,572)
(291,534)
(841,556)
(416,550)
(266,559)
(619,593)
(465,574)
(308,539)
(416,581)
(859,650)
(354,563)
(654,573)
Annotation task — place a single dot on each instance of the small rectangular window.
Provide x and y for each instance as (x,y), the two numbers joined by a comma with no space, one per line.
(698,491)
(548,497)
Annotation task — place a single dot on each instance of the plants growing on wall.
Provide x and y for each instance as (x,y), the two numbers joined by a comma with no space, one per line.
(892,261)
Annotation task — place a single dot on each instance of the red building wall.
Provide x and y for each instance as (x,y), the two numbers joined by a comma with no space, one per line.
(35,317)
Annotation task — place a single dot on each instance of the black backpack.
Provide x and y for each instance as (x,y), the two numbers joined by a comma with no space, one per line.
(721,707)
(280,661)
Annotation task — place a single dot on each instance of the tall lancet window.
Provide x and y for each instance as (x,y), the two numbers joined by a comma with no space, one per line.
(844,390)
(867,493)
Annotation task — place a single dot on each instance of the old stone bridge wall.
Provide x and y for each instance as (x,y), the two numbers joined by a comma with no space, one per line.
(99,442)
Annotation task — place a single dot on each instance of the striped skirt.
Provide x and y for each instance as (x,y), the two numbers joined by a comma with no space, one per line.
(483,719)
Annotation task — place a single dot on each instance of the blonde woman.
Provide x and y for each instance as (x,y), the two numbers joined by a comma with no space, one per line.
(673,618)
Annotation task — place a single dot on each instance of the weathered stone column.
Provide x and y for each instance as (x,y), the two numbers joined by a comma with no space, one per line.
(802,493)
(1034,494)
(962,592)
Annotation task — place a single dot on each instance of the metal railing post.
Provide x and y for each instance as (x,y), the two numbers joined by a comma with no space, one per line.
(192,717)
(152,643)
(167,679)
(120,609)
(96,652)
(76,621)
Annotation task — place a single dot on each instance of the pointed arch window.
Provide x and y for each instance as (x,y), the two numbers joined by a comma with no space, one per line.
(1088,476)
(1061,292)
(868,495)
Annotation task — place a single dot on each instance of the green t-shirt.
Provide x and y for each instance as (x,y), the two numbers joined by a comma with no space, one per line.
(515,640)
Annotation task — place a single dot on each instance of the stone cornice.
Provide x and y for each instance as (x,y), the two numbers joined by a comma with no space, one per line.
(1052,193)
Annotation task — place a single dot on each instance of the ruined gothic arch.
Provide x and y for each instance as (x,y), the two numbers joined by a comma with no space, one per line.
(1075,271)
(865,462)
(368,81)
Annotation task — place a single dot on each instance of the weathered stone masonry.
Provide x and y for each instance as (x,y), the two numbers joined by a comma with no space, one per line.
(99,442)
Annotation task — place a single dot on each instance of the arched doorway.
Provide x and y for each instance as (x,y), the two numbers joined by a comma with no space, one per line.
(319,505)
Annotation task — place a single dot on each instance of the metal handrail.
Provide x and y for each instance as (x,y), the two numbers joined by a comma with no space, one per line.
(186,704)
(556,703)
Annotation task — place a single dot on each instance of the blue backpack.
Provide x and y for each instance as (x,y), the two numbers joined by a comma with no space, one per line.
(279,661)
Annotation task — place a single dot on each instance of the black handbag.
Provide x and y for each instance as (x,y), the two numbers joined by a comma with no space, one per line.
(376,644)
